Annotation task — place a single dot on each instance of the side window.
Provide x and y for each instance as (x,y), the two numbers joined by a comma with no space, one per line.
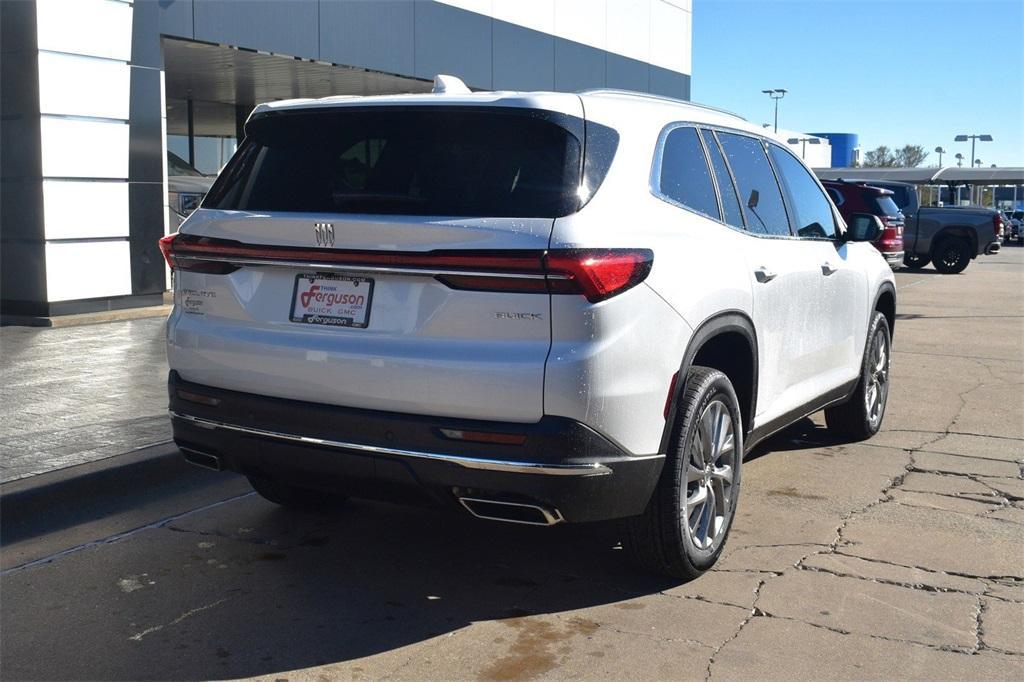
(759,192)
(726,188)
(685,176)
(812,213)
(835,196)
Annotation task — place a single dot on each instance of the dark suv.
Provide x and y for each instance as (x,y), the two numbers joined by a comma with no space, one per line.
(859,197)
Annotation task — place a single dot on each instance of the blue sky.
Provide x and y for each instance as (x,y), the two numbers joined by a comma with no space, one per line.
(897,72)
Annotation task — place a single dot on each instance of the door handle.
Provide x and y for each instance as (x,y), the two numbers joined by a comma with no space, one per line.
(764,275)
(827,268)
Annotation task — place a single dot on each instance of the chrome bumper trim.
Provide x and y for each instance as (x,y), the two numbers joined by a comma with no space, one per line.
(594,469)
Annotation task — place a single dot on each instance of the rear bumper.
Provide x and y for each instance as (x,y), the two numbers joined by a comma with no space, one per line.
(893,258)
(993,247)
(562,466)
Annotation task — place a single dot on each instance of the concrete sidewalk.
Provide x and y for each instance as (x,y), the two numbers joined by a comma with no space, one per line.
(78,394)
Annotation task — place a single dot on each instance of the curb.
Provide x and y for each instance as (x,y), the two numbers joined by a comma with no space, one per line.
(81,319)
(59,499)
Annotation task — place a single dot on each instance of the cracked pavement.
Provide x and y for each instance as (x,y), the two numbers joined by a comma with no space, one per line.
(899,557)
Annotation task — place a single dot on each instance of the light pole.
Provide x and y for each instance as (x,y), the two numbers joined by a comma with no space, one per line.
(959,160)
(776,94)
(803,141)
(940,151)
(977,162)
(973,139)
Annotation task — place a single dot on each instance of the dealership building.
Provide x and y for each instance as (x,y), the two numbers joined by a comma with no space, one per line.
(95,93)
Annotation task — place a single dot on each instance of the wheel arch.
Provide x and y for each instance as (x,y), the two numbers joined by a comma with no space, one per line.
(885,303)
(959,232)
(727,342)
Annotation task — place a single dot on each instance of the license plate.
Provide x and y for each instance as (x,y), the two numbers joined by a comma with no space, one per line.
(332,300)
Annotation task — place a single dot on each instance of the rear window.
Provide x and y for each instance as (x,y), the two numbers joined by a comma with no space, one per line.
(900,195)
(883,204)
(408,161)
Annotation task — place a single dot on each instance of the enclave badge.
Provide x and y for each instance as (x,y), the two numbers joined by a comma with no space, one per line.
(324,234)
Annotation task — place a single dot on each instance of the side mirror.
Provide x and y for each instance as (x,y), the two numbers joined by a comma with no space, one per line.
(863,227)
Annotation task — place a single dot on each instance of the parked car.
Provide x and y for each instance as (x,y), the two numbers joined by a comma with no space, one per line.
(186,188)
(532,307)
(858,197)
(1014,222)
(950,237)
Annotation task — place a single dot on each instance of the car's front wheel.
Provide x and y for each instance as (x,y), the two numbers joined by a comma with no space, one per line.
(860,417)
(687,520)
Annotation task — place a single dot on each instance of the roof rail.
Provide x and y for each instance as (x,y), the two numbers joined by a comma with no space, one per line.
(663,98)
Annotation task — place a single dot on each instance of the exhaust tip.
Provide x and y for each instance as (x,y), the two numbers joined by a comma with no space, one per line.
(511,512)
(202,459)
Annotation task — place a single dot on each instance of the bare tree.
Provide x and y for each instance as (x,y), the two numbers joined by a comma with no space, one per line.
(911,156)
(880,157)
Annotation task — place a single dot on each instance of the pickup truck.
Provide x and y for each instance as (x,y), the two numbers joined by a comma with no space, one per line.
(948,236)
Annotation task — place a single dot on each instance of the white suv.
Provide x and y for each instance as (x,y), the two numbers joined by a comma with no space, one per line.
(534,307)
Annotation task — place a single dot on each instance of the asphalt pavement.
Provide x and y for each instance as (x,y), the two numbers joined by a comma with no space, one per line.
(899,557)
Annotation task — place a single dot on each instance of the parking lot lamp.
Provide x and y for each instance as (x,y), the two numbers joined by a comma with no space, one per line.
(973,139)
(776,94)
(940,151)
(803,141)
(959,160)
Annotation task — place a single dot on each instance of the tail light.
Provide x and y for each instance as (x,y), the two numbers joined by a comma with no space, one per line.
(997,225)
(597,274)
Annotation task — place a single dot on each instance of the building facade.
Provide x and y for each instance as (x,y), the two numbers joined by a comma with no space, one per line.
(96,92)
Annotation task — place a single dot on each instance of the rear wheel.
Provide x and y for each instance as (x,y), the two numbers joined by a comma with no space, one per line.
(952,255)
(294,497)
(683,530)
(861,416)
(914,261)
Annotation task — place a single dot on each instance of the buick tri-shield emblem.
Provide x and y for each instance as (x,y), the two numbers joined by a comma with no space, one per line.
(324,234)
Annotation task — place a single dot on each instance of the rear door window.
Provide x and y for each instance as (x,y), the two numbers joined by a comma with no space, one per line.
(809,208)
(685,177)
(430,161)
(733,214)
(759,192)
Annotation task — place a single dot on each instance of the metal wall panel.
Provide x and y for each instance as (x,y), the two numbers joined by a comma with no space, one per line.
(79,209)
(577,66)
(523,59)
(289,28)
(669,83)
(77,270)
(453,41)
(368,33)
(670,37)
(174,16)
(99,28)
(22,255)
(626,73)
(83,86)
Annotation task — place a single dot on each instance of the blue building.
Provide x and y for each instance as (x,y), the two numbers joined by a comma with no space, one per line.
(844,148)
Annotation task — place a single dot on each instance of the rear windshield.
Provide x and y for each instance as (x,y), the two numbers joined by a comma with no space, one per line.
(884,205)
(900,194)
(410,161)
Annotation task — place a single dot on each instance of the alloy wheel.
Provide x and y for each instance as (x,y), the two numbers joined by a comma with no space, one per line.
(877,386)
(709,476)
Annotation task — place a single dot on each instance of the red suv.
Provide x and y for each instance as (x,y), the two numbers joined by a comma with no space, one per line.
(860,197)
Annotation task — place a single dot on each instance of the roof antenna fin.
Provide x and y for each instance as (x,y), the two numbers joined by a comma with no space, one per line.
(449,85)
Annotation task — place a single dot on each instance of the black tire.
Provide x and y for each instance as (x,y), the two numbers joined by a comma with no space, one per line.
(914,261)
(661,539)
(951,255)
(858,418)
(294,497)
